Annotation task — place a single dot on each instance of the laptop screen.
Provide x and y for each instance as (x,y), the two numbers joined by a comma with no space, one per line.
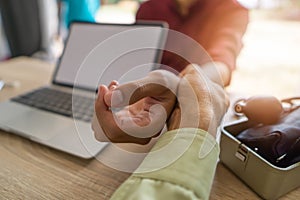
(99,53)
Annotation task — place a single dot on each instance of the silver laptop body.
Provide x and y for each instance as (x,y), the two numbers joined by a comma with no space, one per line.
(94,54)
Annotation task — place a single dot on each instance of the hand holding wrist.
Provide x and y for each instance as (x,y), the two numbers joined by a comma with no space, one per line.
(201,102)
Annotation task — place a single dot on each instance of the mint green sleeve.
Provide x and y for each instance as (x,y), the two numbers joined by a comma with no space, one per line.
(181,165)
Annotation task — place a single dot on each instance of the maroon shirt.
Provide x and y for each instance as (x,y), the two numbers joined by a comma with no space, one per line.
(218,25)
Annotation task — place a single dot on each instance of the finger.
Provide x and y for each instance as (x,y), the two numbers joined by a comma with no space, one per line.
(154,85)
(101,113)
(113,85)
(104,117)
(138,127)
(195,99)
(98,131)
(188,101)
(190,69)
(207,96)
(100,103)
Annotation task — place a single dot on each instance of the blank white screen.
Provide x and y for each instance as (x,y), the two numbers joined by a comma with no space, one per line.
(99,53)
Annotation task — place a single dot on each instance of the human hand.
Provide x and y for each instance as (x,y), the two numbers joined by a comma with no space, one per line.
(201,102)
(143,107)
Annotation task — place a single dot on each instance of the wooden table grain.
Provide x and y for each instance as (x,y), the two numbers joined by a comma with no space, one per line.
(32,171)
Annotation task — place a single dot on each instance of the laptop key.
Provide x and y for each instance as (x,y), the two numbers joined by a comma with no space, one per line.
(59,102)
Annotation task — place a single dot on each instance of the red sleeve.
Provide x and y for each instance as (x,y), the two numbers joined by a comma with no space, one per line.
(230,22)
(145,11)
(161,10)
(217,25)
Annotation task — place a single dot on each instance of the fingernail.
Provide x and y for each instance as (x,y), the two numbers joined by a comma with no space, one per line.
(116,98)
(113,87)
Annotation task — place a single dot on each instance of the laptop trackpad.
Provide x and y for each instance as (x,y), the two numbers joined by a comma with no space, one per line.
(36,124)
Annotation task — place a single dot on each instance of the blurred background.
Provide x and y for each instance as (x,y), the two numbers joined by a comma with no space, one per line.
(269,58)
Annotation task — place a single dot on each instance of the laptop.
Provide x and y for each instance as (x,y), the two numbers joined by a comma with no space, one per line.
(59,114)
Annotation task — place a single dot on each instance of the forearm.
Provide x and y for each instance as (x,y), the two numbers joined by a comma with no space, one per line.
(187,177)
(229,22)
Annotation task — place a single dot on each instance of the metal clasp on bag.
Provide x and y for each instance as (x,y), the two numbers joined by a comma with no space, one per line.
(242,153)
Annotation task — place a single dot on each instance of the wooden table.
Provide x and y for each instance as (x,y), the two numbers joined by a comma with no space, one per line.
(32,171)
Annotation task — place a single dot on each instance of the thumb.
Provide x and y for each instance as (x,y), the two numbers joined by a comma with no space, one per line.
(156,84)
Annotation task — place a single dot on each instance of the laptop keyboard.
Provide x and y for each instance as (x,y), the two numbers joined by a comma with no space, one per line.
(59,102)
